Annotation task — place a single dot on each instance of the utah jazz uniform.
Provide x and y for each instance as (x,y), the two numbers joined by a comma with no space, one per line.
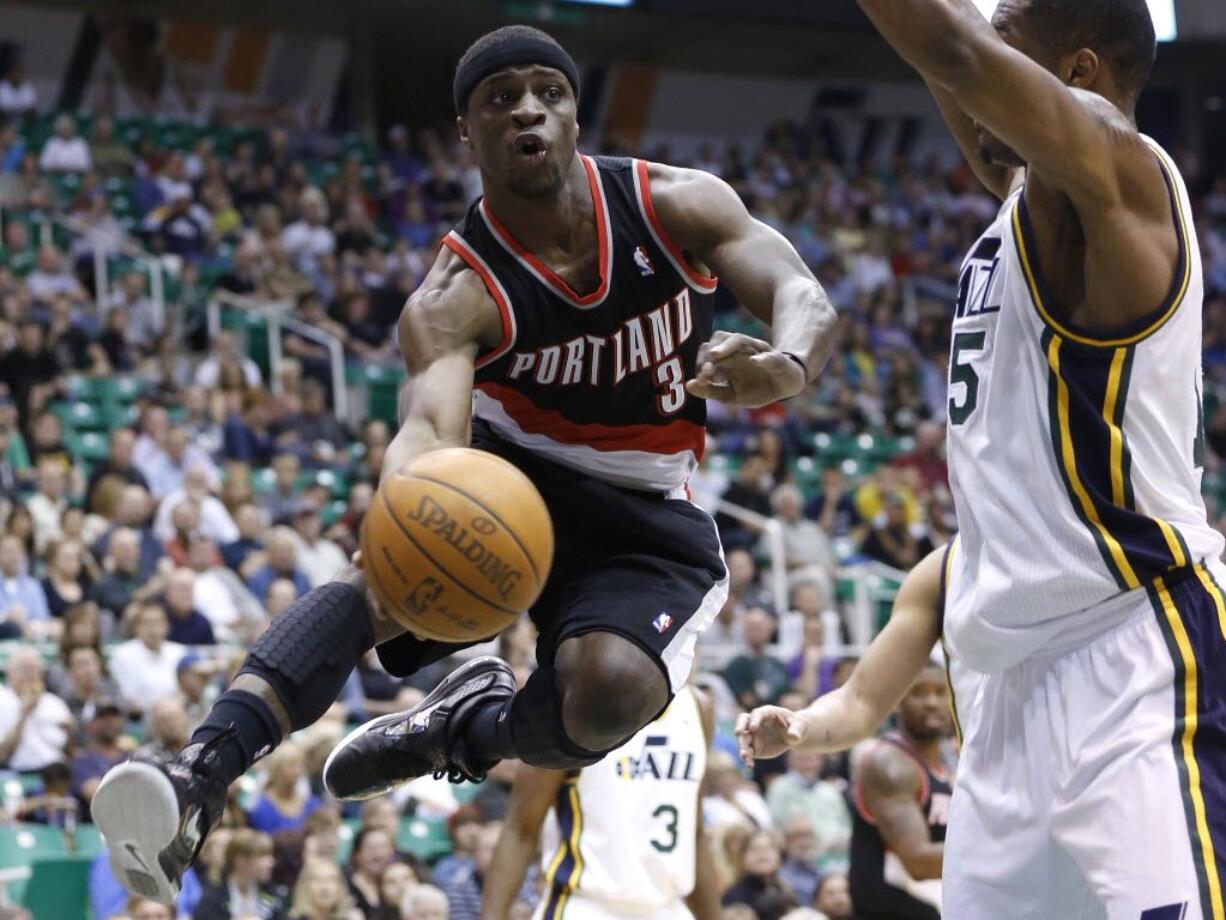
(1084,585)
(619,841)
(585,393)
(881,889)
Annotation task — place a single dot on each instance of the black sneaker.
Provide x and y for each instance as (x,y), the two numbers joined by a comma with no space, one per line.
(154,817)
(428,738)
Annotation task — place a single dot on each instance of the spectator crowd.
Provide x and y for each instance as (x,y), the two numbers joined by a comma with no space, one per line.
(165,492)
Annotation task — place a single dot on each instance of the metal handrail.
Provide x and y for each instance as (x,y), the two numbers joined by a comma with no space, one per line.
(773,531)
(274,313)
(123,245)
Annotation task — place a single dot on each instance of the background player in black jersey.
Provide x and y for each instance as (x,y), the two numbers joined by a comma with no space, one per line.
(901,791)
(605,665)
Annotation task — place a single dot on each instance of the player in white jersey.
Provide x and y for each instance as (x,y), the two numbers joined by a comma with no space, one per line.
(621,838)
(1084,586)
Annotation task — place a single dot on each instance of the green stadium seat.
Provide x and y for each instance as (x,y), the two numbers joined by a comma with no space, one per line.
(23,844)
(333,512)
(262,480)
(81,416)
(428,840)
(89,446)
(58,888)
(383,391)
(120,415)
(807,475)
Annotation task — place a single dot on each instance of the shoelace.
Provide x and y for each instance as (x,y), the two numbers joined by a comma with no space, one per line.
(215,742)
(455,775)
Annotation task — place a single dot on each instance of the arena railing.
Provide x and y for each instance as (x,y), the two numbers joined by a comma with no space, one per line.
(120,245)
(772,532)
(274,315)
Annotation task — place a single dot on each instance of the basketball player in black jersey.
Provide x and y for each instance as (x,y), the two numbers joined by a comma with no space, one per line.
(565,325)
(901,791)
(901,794)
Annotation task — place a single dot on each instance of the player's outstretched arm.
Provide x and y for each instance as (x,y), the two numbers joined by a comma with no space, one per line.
(442,327)
(708,221)
(889,784)
(534,791)
(879,681)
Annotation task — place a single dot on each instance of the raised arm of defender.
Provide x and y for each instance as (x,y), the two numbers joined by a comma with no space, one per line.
(1113,263)
(707,220)
(443,326)
(856,710)
(1067,134)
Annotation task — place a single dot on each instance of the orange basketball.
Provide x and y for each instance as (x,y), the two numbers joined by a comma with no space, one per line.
(456,545)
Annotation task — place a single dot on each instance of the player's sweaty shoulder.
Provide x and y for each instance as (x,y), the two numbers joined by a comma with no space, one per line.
(1125,170)
(885,770)
(695,207)
(452,307)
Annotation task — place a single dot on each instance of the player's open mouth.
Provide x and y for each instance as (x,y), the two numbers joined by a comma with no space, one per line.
(531,147)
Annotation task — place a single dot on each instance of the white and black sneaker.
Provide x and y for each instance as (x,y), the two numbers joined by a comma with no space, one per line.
(154,817)
(428,738)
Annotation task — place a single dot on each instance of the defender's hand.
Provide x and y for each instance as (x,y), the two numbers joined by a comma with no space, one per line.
(743,371)
(769,731)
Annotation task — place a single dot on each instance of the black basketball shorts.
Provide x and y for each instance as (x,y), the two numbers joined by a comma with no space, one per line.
(638,564)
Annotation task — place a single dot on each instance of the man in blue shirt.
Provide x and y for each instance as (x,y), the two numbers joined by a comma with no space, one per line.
(21,596)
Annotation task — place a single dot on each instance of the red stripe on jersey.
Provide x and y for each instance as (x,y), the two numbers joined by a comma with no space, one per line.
(600,208)
(704,282)
(460,247)
(671,438)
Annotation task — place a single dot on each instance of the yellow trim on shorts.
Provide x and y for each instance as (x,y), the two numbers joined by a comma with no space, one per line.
(1190,719)
(1069,461)
(1033,285)
(1116,435)
(568,845)
(1214,592)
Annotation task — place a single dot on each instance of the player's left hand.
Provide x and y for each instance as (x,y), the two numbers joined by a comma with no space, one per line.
(743,371)
(769,731)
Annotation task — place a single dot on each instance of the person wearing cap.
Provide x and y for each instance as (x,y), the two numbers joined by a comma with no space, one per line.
(105,728)
(316,555)
(193,677)
(167,722)
(463,826)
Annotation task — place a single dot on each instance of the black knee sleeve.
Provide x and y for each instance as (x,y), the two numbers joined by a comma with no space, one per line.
(537,728)
(308,652)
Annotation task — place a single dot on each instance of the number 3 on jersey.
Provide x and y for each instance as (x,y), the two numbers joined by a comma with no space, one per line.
(668,831)
(670,381)
(961,371)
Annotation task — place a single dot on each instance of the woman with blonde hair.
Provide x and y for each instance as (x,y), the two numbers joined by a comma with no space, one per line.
(321,894)
(244,890)
(287,800)
(424,902)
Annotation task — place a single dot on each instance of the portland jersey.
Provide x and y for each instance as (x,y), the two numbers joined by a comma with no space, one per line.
(596,381)
(881,889)
(1075,459)
(622,832)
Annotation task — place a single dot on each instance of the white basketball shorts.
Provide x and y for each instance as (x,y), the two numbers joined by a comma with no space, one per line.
(1092,783)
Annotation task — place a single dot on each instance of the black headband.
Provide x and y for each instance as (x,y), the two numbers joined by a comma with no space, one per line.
(512,51)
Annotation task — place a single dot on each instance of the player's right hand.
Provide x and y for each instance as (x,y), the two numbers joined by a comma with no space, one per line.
(769,731)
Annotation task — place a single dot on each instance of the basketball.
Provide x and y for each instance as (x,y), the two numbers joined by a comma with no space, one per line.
(456,545)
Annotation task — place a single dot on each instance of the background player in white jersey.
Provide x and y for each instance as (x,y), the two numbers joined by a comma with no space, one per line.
(622,838)
(1085,581)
